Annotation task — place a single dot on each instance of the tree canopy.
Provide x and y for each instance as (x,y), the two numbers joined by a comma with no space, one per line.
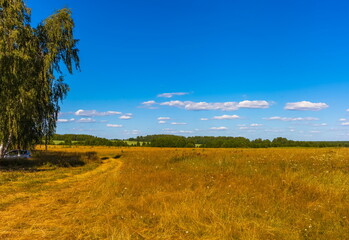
(31,75)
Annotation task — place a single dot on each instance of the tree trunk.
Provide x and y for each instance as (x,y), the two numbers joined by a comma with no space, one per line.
(5,147)
(1,150)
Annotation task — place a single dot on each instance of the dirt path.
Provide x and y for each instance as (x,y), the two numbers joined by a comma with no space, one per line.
(73,203)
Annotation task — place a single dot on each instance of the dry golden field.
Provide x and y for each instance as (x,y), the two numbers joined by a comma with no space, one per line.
(154,193)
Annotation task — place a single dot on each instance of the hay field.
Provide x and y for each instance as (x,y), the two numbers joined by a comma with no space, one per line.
(154,193)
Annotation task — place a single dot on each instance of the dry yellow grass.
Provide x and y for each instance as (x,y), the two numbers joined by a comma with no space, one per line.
(153,193)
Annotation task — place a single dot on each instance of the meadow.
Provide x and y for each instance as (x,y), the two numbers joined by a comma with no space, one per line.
(169,193)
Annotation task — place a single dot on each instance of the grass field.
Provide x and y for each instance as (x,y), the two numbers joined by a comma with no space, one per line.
(154,193)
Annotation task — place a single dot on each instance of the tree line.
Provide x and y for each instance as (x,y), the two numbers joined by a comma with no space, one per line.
(230,142)
(83,140)
(164,140)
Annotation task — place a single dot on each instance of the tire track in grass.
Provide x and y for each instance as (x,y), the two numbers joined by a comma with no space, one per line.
(43,217)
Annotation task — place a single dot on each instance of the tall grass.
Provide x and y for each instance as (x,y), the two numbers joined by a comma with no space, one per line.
(153,193)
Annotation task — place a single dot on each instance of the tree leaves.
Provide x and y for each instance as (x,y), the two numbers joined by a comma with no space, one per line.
(30,59)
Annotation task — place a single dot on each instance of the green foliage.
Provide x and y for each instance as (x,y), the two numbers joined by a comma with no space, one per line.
(30,60)
(85,140)
(229,142)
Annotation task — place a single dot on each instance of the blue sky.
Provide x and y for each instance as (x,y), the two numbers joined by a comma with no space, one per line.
(257,69)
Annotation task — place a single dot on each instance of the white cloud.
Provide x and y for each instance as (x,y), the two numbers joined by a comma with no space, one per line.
(254,104)
(218,128)
(292,119)
(114,125)
(203,119)
(148,103)
(197,106)
(185,131)
(86,120)
(125,117)
(224,106)
(93,113)
(161,122)
(164,118)
(251,126)
(255,125)
(175,103)
(61,120)
(226,117)
(306,106)
(342,119)
(314,131)
(178,123)
(345,123)
(169,95)
(347,110)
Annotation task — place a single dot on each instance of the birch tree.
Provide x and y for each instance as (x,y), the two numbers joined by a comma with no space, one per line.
(31,75)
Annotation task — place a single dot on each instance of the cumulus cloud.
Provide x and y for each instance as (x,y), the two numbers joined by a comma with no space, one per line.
(218,128)
(224,106)
(226,117)
(114,125)
(175,103)
(292,119)
(203,119)
(342,119)
(161,122)
(197,106)
(93,113)
(148,103)
(125,117)
(255,125)
(254,104)
(62,120)
(345,123)
(178,123)
(305,106)
(169,95)
(164,118)
(86,120)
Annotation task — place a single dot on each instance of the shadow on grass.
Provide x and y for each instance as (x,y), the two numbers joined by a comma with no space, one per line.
(49,159)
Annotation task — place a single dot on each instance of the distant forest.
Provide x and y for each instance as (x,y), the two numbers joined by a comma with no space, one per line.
(189,142)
